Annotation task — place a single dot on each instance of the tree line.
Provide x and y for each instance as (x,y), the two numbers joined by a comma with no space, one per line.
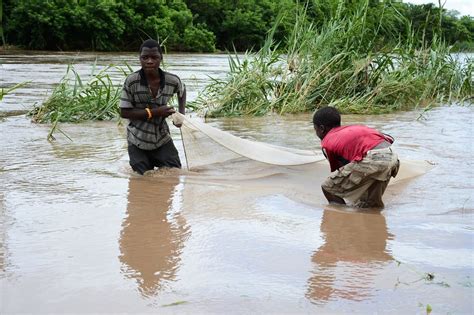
(210,25)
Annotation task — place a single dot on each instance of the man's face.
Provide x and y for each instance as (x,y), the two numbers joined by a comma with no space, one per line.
(150,58)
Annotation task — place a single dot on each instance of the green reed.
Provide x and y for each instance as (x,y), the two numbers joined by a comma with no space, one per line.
(74,100)
(5,91)
(339,64)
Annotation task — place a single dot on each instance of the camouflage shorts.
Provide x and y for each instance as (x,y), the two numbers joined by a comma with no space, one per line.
(364,182)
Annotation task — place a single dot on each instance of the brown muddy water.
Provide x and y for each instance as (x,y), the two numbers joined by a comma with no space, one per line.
(80,233)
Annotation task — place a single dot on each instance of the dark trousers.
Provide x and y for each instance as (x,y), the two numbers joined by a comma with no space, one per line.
(145,160)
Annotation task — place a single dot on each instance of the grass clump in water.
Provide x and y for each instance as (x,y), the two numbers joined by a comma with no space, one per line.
(340,64)
(72,100)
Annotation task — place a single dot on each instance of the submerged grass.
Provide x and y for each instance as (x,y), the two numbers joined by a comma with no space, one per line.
(341,65)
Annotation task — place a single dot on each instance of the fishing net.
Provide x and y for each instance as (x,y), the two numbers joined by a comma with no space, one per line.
(207,147)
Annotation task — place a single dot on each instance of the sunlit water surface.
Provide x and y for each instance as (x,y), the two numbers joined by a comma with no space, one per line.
(79,232)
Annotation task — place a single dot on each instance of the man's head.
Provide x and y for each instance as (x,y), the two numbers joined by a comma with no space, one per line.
(325,119)
(150,55)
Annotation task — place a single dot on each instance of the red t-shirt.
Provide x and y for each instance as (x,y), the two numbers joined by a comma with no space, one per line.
(350,143)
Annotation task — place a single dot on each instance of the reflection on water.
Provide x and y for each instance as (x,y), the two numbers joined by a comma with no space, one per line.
(153,233)
(353,252)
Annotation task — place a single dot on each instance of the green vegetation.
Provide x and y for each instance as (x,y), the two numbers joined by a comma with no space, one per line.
(72,100)
(426,277)
(75,101)
(206,25)
(5,91)
(361,57)
(345,63)
(103,25)
(429,309)
(2,35)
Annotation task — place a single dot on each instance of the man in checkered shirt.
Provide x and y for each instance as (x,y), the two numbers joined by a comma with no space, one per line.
(144,100)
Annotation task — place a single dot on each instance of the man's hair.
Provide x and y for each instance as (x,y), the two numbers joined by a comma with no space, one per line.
(327,116)
(150,43)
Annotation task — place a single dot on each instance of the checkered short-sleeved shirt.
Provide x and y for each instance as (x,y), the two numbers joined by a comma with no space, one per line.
(149,134)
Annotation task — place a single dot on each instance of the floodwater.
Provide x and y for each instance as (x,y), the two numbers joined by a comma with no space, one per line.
(80,233)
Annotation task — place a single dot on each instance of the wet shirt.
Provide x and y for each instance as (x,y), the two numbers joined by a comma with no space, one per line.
(345,144)
(152,133)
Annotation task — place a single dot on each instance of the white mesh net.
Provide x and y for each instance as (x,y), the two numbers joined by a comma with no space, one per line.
(208,148)
(206,145)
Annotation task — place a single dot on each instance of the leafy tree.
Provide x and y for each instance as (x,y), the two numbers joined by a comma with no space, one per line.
(242,24)
(169,21)
(199,39)
(203,25)
(62,24)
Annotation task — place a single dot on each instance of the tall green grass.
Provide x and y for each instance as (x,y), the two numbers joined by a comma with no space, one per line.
(73,100)
(341,64)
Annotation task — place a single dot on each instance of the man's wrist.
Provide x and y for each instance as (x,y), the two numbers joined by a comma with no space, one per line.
(149,113)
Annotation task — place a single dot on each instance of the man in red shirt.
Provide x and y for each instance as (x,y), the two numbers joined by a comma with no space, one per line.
(361,160)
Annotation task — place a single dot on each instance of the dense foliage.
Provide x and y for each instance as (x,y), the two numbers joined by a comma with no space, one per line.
(104,25)
(353,60)
(343,64)
(204,25)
